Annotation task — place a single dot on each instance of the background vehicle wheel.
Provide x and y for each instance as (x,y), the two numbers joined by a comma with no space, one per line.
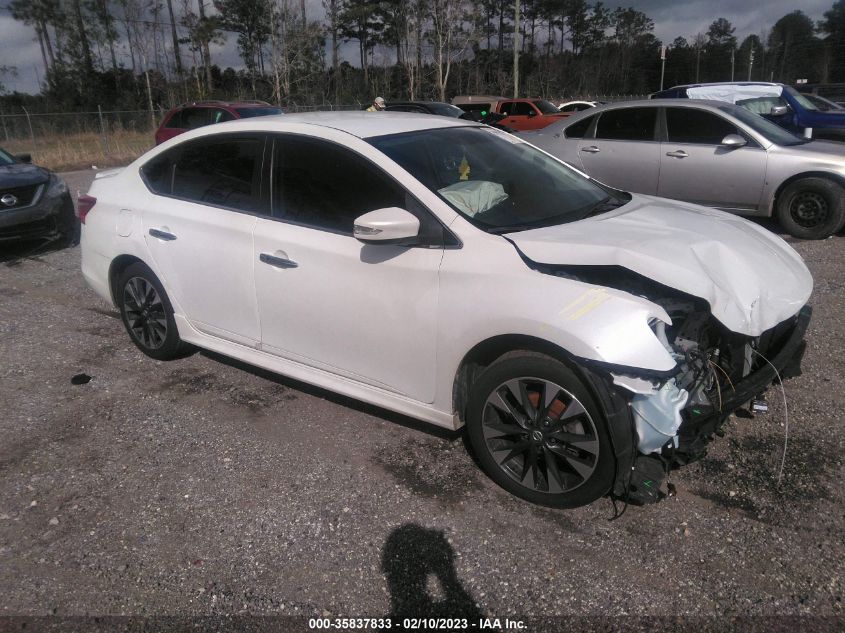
(538,433)
(68,225)
(812,208)
(147,314)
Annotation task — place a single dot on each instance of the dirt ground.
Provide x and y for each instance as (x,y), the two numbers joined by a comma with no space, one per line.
(203,487)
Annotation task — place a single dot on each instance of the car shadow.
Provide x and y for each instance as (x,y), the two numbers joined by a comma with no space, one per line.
(345,401)
(12,253)
(419,565)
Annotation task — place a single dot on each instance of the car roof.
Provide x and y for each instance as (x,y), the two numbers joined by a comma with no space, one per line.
(726,83)
(356,123)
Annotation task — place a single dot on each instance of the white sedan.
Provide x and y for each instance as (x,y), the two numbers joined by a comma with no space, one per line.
(589,339)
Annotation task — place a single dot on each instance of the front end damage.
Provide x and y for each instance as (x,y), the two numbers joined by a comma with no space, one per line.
(673,416)
(718,372)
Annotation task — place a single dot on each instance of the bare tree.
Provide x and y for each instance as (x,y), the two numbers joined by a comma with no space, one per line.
(451,34)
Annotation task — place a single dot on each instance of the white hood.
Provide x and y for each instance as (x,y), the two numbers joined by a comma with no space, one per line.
(751,278)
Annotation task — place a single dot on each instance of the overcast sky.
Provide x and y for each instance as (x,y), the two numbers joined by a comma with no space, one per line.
(672,18)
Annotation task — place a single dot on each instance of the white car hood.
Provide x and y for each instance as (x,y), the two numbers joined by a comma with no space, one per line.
(751,278)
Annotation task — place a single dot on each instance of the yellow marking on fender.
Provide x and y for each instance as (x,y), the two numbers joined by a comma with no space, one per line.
(585,304)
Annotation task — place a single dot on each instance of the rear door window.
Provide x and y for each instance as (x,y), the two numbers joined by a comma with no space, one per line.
(192,118)
(221,172)
(517,108)
(688,125)
(579,130)
(627,124)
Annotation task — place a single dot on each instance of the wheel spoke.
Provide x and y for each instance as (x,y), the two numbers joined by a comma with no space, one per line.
(554,477)
(515,450)
(580,466)
(585,443)
(493,430)
(548,397)
(501,403)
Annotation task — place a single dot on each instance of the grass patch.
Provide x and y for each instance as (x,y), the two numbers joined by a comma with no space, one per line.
(83,150)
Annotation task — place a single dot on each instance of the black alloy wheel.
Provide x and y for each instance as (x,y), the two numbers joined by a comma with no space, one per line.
(538,433)
(147,314)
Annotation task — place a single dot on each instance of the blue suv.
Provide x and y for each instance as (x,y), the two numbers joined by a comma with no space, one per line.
(779,103)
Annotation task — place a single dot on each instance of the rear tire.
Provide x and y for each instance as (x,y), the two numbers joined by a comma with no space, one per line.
(538,433)
(811,208)
(148,314)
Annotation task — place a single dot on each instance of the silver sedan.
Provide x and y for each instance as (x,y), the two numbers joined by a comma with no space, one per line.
(707,152)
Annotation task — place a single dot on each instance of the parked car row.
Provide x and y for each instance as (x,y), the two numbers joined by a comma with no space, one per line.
(587,337)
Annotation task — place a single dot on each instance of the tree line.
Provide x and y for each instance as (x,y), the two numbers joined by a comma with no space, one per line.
(128,54)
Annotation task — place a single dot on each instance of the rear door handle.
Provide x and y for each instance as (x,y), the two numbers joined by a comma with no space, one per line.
(162,235)
(592,149)
(677,154)
(278,262)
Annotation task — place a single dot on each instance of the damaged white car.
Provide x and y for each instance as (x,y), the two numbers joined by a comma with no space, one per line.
(589,339)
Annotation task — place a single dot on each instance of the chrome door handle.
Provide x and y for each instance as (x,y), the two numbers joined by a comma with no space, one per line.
(162,235)
(592,149)
(278,262)
(677,154)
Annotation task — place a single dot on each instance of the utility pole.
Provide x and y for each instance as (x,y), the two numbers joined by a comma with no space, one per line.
(750,61)
(697,62)
(662,65)
(516,49)
(732,63)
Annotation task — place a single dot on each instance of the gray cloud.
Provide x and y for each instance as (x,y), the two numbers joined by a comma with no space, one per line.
(672,18)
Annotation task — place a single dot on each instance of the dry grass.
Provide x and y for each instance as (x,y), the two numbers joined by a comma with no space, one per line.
(81,151)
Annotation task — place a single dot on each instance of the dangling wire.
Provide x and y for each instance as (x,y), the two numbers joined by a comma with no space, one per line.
(785,415)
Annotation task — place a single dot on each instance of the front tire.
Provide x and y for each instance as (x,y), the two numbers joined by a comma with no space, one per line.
(812,208)
(148,314)
(538,433)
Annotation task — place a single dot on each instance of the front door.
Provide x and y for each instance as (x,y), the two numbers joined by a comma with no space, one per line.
(366,312)
(696,167)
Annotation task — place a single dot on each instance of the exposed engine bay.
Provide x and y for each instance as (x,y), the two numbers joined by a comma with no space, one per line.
(676,417)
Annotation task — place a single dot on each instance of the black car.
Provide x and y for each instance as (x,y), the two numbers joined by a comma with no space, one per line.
(447,109)
(34,203)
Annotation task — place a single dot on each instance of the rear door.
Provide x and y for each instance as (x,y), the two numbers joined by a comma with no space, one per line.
(696,167)
(198,223)
(624,152)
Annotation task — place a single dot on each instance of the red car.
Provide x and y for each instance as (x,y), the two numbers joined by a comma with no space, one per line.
(190,116)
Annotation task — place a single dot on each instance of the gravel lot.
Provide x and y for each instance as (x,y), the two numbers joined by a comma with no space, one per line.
(203,487)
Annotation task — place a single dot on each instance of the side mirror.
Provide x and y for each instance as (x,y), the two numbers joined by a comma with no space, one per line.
(24,158)
(391,225)
(733,140)
(779,110)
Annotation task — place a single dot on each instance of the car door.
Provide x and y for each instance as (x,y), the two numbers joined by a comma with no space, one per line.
(696,167)
(366,312)
(624,151)
(198,225)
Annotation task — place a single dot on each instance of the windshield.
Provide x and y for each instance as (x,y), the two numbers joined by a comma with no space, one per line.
(545,107)
(804,101)
(497,182)
(446,109)
(246,113)
(6,159)
(775,133)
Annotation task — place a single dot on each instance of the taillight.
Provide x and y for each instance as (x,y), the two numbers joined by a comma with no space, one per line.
(84,205)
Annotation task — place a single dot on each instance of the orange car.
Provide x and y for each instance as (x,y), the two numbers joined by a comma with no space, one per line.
(521,114)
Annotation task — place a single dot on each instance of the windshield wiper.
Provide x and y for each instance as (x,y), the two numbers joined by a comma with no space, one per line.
(499,230)
(603,206)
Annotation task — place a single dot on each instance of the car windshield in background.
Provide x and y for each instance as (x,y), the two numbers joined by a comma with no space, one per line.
(804,101)
(6,159)
(246,113)
(446,109)
(546,107)
(775,133)
(500,184)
